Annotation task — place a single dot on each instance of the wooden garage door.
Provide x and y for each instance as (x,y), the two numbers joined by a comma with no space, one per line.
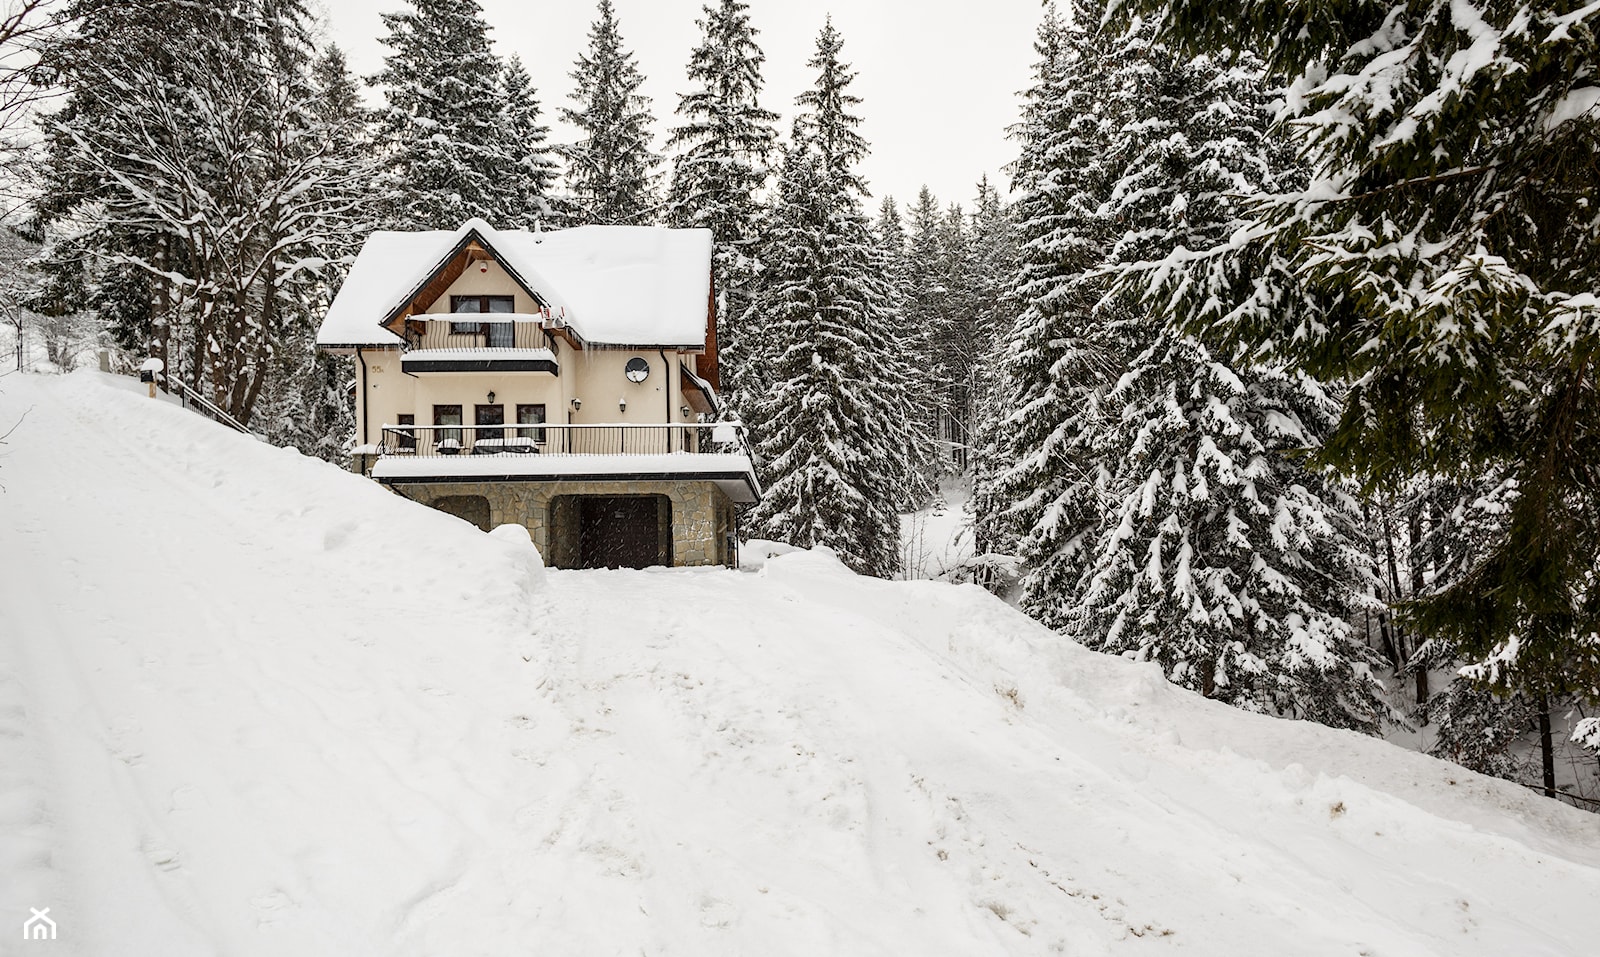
(619,531)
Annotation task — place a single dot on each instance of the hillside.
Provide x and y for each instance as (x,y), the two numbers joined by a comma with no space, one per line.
(254,705)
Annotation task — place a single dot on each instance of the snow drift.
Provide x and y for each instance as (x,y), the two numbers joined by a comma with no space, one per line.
(251,704)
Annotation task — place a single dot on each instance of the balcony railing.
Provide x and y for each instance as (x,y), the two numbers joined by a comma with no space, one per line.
(491,331)
(585,439)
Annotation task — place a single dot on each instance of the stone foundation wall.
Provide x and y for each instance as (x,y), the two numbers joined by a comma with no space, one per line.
(702,515)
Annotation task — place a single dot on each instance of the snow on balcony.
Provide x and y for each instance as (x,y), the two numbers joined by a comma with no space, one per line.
(479,359)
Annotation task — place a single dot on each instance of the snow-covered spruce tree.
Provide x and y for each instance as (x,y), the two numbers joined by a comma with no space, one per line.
(1040,489)
(839,447)
(609,170)
(1448,222)
(959,340)
(530,173)
(992,258)
(725,142)
(442,126)
(927,305)
(1222,556)
(189,163)
(891,232)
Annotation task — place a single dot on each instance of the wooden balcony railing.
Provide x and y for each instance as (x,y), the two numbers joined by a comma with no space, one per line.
(493,331)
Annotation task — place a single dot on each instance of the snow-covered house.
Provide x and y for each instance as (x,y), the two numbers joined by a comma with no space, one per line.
(554,379)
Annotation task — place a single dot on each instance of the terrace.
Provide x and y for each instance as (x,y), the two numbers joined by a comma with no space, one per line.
(570,452)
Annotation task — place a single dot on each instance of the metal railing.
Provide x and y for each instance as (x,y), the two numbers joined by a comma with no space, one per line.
(551,439)
(188,397)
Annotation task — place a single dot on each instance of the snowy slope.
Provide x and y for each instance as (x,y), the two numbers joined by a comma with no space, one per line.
(251,704)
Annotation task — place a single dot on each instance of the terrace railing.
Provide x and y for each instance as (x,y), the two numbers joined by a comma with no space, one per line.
(584,439)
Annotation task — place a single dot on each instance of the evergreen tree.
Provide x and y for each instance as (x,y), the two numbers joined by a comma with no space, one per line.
(1447,237)
(609,170)
(927,306)
(891,232)
(442,126)
(1223,558)
(839,447)
(1038,494)
(530,172)
(725,143)
(992,256)
(1175,523)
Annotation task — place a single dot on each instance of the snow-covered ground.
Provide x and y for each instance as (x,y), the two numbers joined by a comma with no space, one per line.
(937,539)
(251,704)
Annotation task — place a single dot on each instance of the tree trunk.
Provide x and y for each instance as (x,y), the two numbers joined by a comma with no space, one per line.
(1546,747)
(1394,638)
(1415,531)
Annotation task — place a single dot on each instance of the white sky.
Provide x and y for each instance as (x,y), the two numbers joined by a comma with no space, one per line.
(939,81)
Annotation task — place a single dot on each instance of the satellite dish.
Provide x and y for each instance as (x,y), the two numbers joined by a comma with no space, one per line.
(637,370)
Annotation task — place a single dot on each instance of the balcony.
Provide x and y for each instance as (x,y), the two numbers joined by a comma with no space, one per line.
(588,452)
(479,359)
(472,342)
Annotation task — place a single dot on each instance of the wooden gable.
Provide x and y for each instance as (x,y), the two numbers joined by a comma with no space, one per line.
(425,295)
(411,315)
(705,363)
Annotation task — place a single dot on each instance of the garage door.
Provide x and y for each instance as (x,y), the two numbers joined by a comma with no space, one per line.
(621,531)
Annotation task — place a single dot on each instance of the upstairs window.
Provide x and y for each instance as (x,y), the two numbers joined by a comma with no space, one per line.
(478,305)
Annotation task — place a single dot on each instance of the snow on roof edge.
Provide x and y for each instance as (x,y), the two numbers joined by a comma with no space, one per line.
(617,286)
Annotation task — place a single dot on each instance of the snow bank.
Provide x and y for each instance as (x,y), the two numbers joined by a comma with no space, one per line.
(530,564)
(254,705)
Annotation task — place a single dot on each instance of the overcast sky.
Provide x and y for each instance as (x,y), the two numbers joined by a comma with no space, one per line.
(939,80)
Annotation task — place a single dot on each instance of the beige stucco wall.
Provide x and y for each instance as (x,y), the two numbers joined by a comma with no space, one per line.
(593,375)
(489,281)
(702,515)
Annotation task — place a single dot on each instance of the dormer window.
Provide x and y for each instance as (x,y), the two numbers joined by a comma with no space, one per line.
(478,305)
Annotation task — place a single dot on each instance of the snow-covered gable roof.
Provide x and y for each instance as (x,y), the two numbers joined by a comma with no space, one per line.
(615,285)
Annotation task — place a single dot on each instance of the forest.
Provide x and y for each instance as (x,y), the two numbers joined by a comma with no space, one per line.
(1274,362)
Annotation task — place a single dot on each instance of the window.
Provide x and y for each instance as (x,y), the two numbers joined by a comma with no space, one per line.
(489,415)
(405,438)
(501,335)
(447,415)
(478,305)
(531,415)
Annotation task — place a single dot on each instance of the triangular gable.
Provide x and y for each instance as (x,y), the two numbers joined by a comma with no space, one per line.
(620,287)
(472,247)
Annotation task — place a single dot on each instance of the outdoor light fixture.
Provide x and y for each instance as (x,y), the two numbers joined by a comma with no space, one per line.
(622,405)
(491,397)
(685,410)
(577,404)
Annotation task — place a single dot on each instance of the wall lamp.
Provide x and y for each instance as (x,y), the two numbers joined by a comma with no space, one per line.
(491,397)
(622,405)
(577,404)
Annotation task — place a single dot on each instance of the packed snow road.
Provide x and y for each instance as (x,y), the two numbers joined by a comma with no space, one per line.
(251,704)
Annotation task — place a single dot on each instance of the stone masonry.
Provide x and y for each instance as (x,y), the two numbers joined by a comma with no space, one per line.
(702,514)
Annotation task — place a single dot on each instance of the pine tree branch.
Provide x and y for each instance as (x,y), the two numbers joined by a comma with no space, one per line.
(1413,182)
